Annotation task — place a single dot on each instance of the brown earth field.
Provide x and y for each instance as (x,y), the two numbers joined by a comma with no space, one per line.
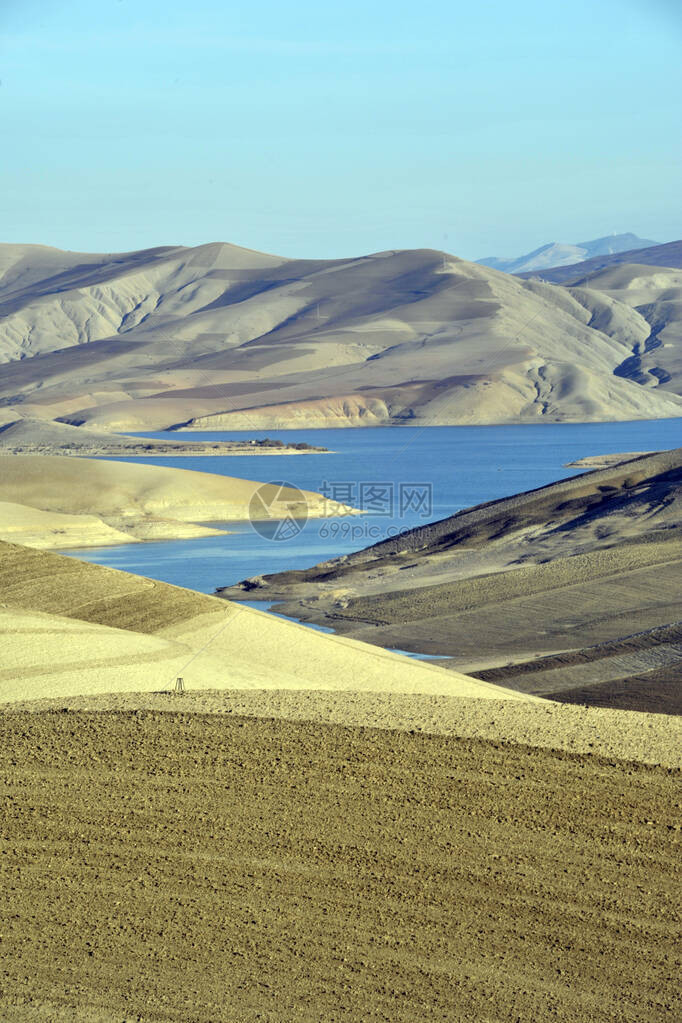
(569,592)
(222,869)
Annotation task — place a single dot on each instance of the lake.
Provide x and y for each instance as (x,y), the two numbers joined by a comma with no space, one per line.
(402,476)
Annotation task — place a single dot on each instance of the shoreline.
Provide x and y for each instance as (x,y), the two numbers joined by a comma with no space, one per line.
(53,502)
(159,449)
(605,461)
(32,436)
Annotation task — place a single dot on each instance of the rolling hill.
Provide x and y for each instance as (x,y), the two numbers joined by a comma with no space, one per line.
(219,337)
(70,628)
(314,822)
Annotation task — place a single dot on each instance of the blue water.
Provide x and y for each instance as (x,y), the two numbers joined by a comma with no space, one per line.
(444,469)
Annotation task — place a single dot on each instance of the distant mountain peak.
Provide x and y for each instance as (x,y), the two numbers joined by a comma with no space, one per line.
(566,254)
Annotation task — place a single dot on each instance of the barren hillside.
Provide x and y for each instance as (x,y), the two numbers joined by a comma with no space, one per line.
(218,337)
(669,255)
(583,574)
(71,628)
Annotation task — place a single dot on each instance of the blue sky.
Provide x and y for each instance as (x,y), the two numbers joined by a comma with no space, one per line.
(315,130)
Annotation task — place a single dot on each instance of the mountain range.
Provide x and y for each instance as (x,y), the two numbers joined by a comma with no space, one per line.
(669,255)
(562,254)
(222,337)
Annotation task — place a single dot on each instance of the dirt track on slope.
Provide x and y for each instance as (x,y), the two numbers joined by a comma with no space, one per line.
(641,672)
(195,868)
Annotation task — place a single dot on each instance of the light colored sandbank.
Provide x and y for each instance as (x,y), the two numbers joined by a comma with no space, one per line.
(605,461)
(36,528)
(52,656)
(624,735)
(44,496)
(46,529)
(31,436)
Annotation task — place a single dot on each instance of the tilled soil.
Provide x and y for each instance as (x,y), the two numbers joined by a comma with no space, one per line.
(654,739)
(214,869)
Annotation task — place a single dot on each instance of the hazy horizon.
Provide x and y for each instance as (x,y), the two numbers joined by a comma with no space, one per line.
(329,132)
(293,255)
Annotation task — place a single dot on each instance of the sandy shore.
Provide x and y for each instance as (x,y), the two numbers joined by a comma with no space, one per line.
(51,501)
(47,437)
(605,461)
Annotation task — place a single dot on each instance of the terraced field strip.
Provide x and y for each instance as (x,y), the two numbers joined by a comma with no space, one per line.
(606,669)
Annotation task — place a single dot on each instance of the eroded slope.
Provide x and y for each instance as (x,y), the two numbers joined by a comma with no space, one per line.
(218,337)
